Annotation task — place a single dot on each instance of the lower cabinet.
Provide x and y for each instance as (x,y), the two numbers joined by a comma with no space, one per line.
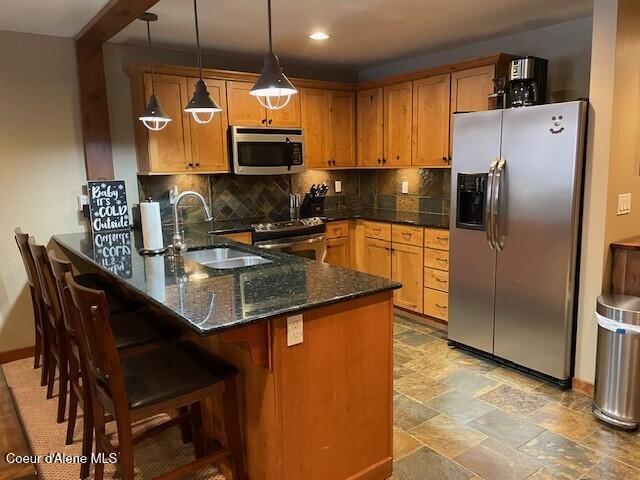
(338,252)
(377,257)
(436,304)
(242,237)
(406,268)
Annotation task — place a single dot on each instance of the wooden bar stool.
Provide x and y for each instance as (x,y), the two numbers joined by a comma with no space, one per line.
(133,332)
(138,387)
(40,355)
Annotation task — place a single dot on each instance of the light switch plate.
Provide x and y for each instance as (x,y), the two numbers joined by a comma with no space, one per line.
(82,201)
(624,204)
(405,187)
(338,186)
(295,330)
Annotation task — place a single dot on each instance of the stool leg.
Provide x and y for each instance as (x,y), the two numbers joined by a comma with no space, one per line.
(98,414)
(73,413)
(125,446)
(52,375)
(185,431)
(38,349)
(87,433)
(63,384)
(196,430)
(233,430)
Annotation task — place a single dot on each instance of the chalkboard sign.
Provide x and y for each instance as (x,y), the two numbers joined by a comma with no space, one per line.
(108,206)
(112,250)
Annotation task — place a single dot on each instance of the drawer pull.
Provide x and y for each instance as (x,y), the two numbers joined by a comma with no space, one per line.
(376,231)
(337,231)
(442,239)
(406,235)
(440,280)
(442,307)
(442,260)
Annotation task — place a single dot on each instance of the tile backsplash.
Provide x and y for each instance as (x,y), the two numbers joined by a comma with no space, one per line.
(239,196)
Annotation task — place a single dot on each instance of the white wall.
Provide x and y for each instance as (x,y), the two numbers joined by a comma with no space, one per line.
(567,46)
(41,162)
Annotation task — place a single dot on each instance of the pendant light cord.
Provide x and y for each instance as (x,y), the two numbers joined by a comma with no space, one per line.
(269,14)
(195,12)
(153,82)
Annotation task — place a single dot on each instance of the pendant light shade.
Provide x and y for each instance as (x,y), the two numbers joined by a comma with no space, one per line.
(201,106)
(153,117)
(273,89)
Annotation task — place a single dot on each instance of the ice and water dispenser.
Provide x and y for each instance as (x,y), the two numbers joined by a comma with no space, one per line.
(471,198)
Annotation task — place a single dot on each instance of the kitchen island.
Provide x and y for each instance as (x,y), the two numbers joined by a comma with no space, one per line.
(316,410)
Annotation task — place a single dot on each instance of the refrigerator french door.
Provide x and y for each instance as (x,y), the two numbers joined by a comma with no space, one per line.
(517,177)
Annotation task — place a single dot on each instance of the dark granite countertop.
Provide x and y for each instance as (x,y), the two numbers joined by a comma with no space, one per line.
(209,300)
(432,220)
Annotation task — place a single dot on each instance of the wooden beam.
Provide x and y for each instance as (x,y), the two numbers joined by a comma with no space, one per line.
(115,16)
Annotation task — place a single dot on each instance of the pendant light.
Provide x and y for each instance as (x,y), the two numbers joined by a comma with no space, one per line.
(273,89)
(202,106)
(153,117)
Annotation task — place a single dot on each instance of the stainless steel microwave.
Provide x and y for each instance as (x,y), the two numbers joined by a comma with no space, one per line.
(266,150)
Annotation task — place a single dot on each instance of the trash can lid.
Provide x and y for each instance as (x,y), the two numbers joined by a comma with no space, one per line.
(619,308)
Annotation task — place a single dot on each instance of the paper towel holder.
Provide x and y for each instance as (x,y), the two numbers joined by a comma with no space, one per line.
(152,252)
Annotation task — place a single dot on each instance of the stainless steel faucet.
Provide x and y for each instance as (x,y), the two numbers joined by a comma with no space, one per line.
(179,245)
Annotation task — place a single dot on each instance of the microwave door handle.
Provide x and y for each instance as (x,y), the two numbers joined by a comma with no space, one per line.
(488,206)
(289,154)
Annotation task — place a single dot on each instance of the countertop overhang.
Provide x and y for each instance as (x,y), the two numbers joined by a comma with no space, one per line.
(209,301)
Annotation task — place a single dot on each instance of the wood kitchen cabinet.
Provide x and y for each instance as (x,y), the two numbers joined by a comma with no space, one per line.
(398,106)
(245,110)
(431,120)
(377,257)
(209,140)
(406,268)
(339,252)
(370,111)
(328,119)
(168,150)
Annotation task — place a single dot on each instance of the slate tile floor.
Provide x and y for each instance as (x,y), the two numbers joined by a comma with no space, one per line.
(461,417)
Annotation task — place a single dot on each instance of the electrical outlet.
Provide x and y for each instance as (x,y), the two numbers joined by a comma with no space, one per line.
(624,204)
(338,186)
(294,330)
(405,187)
(82,201)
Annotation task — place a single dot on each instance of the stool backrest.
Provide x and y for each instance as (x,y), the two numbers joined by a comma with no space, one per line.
(96,339)
(47,284)
(59,269)
(22,239)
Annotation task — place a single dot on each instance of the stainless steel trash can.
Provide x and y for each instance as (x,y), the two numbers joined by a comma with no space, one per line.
(617,387)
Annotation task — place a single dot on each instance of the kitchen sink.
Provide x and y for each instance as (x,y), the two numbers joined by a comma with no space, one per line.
(225,258)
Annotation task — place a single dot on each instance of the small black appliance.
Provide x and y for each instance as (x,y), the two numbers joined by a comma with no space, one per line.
(527,81)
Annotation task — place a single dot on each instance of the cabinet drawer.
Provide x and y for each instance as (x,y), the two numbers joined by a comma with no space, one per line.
(436,279)
(438,239)
(338,229)
(242,237)
(378,230)
(436,304)
(407,235)
(438,259)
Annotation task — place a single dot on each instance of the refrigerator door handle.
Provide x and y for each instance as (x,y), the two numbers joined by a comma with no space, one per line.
(488,214)
(498,178)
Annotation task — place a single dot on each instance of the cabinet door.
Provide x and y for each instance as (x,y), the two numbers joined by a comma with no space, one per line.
(377,257)
(209,140)
(243,109)
(369,127)
(170,148)
(431,100)
(343,128)
(398,105)
(470,90)
(407,269)
(288,116)
(316,126)
(338,252)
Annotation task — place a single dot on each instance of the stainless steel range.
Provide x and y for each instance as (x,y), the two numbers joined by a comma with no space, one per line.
(304,237)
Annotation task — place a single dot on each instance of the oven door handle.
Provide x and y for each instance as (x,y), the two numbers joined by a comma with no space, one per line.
(270,246)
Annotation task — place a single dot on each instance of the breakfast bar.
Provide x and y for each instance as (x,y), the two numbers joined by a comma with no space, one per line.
(313,343)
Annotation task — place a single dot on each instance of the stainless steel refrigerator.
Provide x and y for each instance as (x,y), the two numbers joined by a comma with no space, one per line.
(515,212)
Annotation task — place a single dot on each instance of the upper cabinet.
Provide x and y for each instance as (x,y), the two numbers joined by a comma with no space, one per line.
(470,89)
(398,107)
(328,123)
(431,99)
(370,110)
(246,111)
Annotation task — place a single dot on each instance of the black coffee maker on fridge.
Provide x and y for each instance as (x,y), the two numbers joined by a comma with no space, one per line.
(527,81)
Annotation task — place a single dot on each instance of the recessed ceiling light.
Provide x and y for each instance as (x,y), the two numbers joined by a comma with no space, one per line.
(318,36)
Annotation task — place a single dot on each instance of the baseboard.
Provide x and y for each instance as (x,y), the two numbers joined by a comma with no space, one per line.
(582,386)
(17,354)
(423,319)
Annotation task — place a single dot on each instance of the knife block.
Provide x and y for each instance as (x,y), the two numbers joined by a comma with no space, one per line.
(312,206)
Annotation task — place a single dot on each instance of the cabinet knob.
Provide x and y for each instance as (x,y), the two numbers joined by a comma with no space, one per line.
(397,157)
(197,164)
(270,120)
(379,161)
(263,121)
(190,165)
(444,158)
(384,160)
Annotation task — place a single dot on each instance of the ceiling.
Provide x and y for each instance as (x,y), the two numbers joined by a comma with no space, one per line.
(363,32)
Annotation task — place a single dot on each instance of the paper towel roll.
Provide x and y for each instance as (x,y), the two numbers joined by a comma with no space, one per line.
(155,277)
(151,225)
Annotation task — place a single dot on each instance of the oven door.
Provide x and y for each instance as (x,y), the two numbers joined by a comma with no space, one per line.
(313,247)
(267,151)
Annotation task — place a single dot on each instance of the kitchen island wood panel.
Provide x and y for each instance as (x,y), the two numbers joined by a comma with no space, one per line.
(321,409)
